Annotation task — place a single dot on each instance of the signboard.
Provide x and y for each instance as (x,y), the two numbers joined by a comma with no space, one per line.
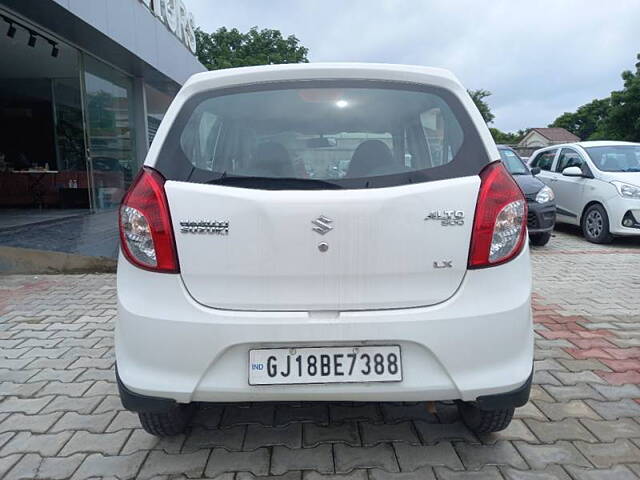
(180,21)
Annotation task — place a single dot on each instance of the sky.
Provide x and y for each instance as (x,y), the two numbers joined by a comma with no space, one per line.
(538,58)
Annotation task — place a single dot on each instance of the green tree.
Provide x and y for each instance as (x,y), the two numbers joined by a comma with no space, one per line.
(506,138)
(231,48)
(623,119)
(478,97)
(586,120)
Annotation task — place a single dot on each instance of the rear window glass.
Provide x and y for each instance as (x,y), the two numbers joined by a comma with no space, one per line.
(344,136)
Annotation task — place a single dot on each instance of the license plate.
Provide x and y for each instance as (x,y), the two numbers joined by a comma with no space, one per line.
(277,366)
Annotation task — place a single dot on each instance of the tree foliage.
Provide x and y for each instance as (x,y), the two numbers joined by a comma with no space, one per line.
(623,120)
(478,97)
(231,48)
(614,118)
(507,138)
(586,120)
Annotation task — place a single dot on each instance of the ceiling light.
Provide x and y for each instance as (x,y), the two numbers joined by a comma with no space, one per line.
(342,104)
(32,39)
(12,30)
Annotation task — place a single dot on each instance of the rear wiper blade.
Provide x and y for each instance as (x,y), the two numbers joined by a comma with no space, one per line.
(271,183)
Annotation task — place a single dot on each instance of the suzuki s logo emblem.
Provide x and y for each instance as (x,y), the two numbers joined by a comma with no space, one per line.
(322,225)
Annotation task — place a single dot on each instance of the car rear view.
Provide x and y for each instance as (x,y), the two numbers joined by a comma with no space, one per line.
(320,233)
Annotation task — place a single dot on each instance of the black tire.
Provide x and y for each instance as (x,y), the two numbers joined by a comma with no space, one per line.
(168,423)
(484,421)
(539,239)
(595,225)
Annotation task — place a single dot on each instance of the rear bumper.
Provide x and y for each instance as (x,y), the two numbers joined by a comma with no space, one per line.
(541,217)
(476,344)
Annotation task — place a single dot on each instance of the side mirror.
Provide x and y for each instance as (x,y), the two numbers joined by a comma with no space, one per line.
(535,171)
(573,172)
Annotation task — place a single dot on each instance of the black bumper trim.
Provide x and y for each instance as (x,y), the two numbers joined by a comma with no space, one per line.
(512,399)
(136,402)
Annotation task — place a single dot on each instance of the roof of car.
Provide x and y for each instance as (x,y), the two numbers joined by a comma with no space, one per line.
(588,144)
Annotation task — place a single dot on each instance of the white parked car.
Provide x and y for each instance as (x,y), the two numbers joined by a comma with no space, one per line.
(323,232)
(596,185)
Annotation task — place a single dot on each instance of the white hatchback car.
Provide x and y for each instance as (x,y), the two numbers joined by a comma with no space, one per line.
(596,185)
(323,232)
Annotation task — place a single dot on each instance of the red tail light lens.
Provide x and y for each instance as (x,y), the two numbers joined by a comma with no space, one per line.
(500,223)
(146,235)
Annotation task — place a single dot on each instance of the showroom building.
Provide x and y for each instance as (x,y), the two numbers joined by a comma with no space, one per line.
(83,87)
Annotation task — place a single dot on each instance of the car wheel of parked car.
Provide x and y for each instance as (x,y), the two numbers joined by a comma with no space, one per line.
(539,239)
(168,423)
(595,225)
(484,421)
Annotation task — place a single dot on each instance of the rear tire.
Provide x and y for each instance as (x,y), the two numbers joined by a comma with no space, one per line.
(539,239)
(595,225)
(167,423)
(484,421)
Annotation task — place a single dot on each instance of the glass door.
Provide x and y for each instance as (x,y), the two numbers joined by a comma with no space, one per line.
(111,153)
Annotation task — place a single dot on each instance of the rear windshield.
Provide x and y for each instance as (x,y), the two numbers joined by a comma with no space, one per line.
(322,135)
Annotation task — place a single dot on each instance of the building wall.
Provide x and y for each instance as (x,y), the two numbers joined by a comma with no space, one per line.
(132,25)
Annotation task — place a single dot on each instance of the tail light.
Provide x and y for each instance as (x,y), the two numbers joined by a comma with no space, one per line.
(146,235)
(500,223)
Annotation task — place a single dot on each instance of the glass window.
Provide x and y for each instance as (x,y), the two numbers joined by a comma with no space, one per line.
(322,133)
(157,105)
(544,160)
(616,158)
(110,133)
(568,158)
(512,162)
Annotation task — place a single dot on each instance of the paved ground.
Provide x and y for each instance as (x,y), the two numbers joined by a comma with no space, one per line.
(60,417)
(94,235)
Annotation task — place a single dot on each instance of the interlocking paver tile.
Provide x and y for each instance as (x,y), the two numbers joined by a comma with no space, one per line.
(605,455)
(561,410)
(222,461)
(348,458)
(33,466)
(487,473)
(342,433)
(610,430)
(425,473)
(412,457)
(373,434)
(552,472)
(562,452)
(74,421)
(567,429)
(142,441)
(161,463)
(31,423)
(122,467)
(109,443)
(580,391)
(619,472)
(230,438)
(432,433)
(318,458)
(615,409)
(500,453)
(261,436)
(45,444)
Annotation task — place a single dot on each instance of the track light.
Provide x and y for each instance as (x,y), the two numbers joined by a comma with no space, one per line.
(12,30)
(55,51)
(32,39)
